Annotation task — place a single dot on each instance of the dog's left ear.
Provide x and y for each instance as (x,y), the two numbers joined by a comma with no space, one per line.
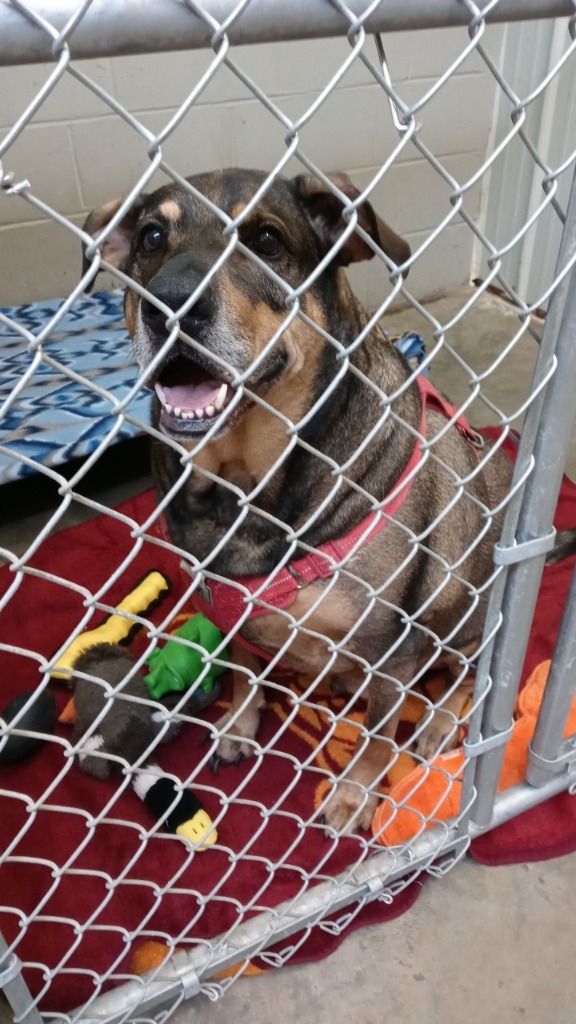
(325,211)
(116,247)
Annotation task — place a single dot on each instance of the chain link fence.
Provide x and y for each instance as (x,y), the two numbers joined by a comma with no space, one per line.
(146,878)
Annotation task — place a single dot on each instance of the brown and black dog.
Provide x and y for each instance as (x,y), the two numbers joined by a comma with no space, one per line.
(409,597)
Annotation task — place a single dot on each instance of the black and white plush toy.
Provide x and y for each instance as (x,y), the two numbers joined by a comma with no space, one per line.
(125,733)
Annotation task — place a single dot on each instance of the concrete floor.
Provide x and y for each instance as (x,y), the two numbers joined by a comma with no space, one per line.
(481,945)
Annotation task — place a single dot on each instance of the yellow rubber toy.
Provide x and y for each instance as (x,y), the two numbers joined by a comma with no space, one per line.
(116,628)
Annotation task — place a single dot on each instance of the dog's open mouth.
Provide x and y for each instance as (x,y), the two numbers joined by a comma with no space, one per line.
(192,398)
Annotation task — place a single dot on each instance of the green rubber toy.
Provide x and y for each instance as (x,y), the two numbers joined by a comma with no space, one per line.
(176,666)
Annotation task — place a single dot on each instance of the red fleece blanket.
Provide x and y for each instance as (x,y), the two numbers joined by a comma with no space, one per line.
(80,887)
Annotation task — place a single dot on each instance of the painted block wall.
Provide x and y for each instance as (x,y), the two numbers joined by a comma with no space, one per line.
(77,153)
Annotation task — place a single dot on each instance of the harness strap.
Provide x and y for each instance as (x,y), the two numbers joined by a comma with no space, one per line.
(432,399)
(224,602)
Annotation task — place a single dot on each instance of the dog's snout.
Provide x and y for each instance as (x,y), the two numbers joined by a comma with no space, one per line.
(175,294)
(199,314)
(151,313)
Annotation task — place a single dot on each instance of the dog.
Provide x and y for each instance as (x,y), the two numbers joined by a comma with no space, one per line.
(319,463)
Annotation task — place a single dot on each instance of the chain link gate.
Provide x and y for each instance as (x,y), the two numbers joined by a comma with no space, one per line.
(321,899)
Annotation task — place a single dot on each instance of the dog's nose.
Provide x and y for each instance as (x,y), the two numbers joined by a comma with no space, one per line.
(174,295)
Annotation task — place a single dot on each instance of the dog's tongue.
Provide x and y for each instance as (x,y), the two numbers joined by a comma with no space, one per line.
(193,396)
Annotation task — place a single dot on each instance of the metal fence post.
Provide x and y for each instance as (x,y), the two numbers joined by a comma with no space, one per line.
(545,754)
(15,989)
(147,26)
(534,523)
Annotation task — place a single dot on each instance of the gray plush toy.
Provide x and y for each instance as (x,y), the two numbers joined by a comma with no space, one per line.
(129,728)
(126,733)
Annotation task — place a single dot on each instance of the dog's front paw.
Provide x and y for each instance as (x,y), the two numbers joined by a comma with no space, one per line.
(350,809)
(439,736)
(233,748)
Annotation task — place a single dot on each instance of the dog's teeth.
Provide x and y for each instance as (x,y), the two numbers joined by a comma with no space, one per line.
(199,413)
(177,411)
(168,407)
(188,415)
(221,397)
(209,410)
(160,392)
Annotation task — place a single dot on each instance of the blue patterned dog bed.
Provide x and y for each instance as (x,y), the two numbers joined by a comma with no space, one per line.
(55,418)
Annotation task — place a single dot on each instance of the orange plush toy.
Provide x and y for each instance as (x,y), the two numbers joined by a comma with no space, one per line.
(151,955)
(431,793)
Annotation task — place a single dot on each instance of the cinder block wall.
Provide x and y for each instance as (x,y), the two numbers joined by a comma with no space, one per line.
(77,153)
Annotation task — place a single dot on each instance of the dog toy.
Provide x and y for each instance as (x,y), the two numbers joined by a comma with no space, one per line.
(413,349)
(125,733)
(176,666)
(116,628)
(431,793)
(153,954)
(39,718)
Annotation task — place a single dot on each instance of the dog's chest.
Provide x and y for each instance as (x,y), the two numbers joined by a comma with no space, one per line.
(324,614)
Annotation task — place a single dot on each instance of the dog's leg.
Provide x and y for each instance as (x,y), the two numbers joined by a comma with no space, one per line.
(355,798)
(434,737)
(242,719)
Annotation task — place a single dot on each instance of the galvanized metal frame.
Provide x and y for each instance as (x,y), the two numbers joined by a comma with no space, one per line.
(549,755)
(541,459)
(95,30)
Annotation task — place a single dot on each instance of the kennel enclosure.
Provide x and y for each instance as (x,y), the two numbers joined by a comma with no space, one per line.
(225,924)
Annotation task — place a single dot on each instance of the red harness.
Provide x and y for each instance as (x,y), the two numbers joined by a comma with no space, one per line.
(225,602)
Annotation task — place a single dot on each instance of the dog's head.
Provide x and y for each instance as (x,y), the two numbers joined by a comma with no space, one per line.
(173,243)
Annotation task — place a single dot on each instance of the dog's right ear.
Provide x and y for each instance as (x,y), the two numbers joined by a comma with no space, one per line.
(116,246)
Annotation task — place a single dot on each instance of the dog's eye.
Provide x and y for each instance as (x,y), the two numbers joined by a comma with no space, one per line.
(268,242)
(153,239)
